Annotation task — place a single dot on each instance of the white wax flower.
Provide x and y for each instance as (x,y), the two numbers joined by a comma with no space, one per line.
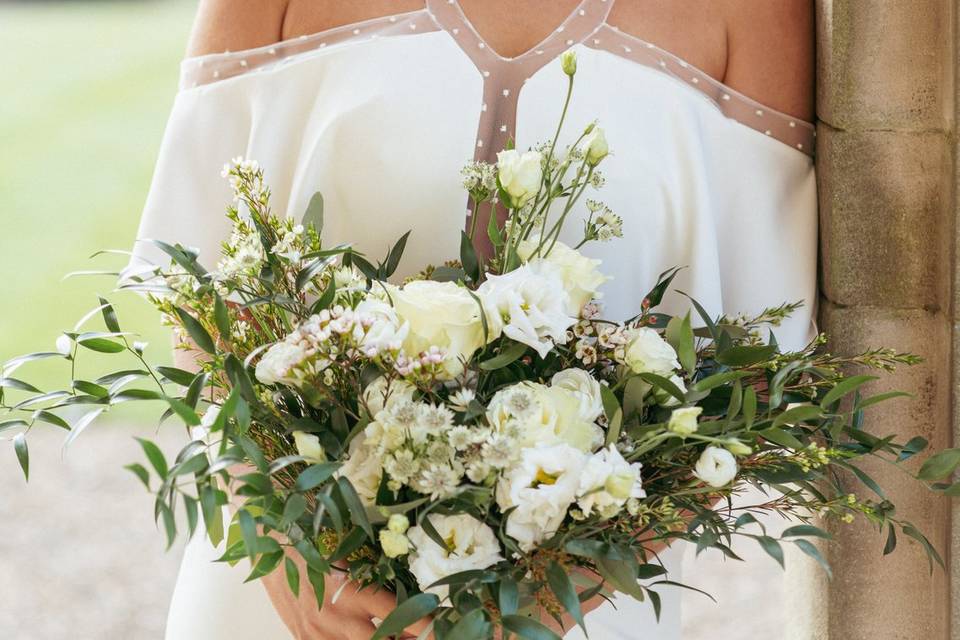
(607,482)
(470,544)
(683,421)
(520,175)
(648,352)
(716,466)
(579,274)
(585,387)
(384,330)
(541,487)
(529,305)
(440,314)
(308,446)
(534,414)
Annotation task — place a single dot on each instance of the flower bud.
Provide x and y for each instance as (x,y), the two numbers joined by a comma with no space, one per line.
(64,345)
(394,544)
(737,448)
(308,446)
(398,523)
(568,61)
(596,146)
(683,421)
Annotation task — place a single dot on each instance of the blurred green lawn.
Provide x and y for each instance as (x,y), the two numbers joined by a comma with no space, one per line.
(86,91)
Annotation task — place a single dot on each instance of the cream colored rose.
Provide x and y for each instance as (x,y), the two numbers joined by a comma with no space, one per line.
(520,175)
(586,389)
(580,276)
(440,314)
(534,414)
(716,466)
(648,352)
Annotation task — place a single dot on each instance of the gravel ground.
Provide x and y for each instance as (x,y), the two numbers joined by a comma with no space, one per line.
(80,557)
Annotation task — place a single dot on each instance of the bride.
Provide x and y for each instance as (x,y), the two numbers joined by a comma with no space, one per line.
(378,103)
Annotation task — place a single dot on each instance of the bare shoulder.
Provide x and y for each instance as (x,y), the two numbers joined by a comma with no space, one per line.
(772,52)
(234,25)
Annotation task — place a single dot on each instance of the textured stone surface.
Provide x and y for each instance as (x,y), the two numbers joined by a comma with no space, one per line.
(882,205)
(895,597)
(884,65)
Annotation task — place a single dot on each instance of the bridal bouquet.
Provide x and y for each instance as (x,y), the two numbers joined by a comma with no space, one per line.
(477,439)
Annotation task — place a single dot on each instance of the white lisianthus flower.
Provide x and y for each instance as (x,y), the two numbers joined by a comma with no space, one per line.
(394,544)
(276,363)
(683,421)
(663,398)
(470,544)
(580,276)
(520,175)
(542,487)
(308,446)
(607,482)
(383,328)
(648,352)
(440,314)
(585,387)
(595,146)
(716,466)
(64,345)
(529,305)
(363,469)
(534,414)
(381,394)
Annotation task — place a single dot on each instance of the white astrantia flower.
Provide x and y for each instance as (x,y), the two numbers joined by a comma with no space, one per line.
(277,362)
(534,414)
(440,314)
(470,545)
(520,175)
(529,305)
(607,482)
(579,274)
(648,352)
(716,466)
(308,446)
(542,487)
(585,387)
(363,469)
(383,393)
(683,421)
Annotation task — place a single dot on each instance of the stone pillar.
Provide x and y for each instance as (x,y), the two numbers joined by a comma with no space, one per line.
(885,163)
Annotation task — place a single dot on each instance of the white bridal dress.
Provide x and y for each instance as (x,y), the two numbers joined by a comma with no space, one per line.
(381,115)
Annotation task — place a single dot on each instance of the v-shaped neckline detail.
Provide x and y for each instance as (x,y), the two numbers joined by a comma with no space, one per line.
(556,33)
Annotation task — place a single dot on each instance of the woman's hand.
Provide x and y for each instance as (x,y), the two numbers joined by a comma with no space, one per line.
(351,617)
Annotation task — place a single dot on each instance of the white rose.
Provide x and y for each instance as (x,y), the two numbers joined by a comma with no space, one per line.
(648,352)
(276,363)
(363,469)
(394,544)
(684,420)
(580,276)
(716,466)
(308,446)
(535,414)
(383,328)
(529,305)
(520,175)
(381,394)
(585,387)
(440,314)
(541,487)
(665,399)
(470,545)
(607,482)
(595,146)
